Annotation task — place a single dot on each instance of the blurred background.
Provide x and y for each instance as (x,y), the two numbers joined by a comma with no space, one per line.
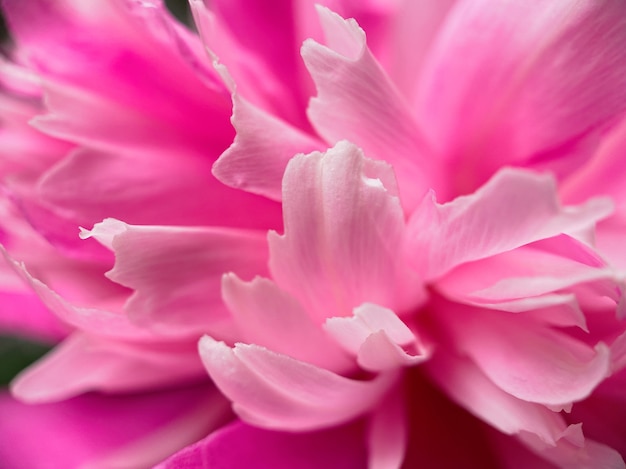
(16,353)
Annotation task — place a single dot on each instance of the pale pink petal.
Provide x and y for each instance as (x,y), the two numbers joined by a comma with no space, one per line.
(527,359)
(378,338)
(85,363)
(241,446)
(513,209)
(88,431)
(268,316)
(275,391)
(515,91)
(604,175)
(464,383)
(343,230)
(373,114)
(388,432)
(529,278)
(176,273)
(256,160)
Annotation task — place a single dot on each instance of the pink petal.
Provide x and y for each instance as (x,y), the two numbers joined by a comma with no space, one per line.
(388,432)
(92,320)
(94,430)
(176,273)
(378,338)
(85,363)
(91,185)
(513,209)
(415,27)
(269,317)
(530,278)
(373,114)
(240,446)
(497,89)
(144,61)
(469,387)
(256,160)
(269,33)
(573,450)
(21,312)
(277,392)
(526,359)
(278,94)
(343,230)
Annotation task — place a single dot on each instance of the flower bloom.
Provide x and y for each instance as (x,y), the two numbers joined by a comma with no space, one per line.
(443,265)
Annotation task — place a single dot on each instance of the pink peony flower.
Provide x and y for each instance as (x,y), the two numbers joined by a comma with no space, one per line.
(446,288)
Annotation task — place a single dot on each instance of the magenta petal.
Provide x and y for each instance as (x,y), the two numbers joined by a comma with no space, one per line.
(240,446)
(99,431)
(85,363)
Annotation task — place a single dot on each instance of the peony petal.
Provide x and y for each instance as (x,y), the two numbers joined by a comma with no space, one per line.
(343,229)
(373,114)
(240,446)
(89,431)
(378,338)
(270,35)
(21,312)
(530,278)
(513,209)
(415,27)
(91,185)
(267,316)
(256,160)
(92,320)
(144,62)
(176,273)
(526,359)
(470,388)
(573,450)
(277,392)
(503,83)
(388,432)
(85,363)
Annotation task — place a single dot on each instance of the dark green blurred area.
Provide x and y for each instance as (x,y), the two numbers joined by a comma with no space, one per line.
(17,353)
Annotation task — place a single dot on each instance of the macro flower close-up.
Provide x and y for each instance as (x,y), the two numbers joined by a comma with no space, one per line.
(301,234)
